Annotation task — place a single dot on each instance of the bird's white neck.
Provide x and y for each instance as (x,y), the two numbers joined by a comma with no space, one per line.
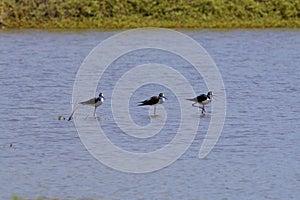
(161,100)
(100,99)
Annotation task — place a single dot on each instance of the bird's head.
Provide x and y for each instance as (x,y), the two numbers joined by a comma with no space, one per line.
(101,95)
(210,94)
(161,95)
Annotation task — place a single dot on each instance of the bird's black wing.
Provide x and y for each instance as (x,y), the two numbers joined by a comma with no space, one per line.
(90,101)
(152,101)
(201,97)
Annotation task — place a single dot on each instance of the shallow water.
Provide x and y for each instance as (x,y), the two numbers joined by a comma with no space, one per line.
(256,157)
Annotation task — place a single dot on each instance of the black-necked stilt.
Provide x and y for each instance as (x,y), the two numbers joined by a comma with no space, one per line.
(154,101)
(95,102)
(202,99)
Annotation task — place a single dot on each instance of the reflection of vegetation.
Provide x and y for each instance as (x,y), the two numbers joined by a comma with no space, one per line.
(141,13)
(38,198)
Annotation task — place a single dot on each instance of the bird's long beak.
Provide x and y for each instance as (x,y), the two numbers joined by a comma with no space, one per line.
(165,97)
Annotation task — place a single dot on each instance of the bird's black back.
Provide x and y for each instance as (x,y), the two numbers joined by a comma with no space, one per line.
(152,101)
(202,97)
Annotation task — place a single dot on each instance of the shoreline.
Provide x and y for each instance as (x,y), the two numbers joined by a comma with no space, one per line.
(110,25)
(193,14)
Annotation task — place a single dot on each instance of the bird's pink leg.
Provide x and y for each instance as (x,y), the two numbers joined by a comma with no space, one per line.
(203,109)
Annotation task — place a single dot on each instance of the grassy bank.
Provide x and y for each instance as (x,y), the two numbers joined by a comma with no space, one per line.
(110,14)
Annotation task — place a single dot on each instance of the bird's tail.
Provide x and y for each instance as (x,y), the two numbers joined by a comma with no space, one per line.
(86,103)
(142,103)
(193,99)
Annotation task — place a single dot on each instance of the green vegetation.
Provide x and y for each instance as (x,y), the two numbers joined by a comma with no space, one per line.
(111,14)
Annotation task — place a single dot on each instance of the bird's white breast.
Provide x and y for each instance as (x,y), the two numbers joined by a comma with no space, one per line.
(207,101)
(161,100)
(99,102)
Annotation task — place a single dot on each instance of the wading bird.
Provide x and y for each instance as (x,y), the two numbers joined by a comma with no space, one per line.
(202,99)
(154,101)
(95,102)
